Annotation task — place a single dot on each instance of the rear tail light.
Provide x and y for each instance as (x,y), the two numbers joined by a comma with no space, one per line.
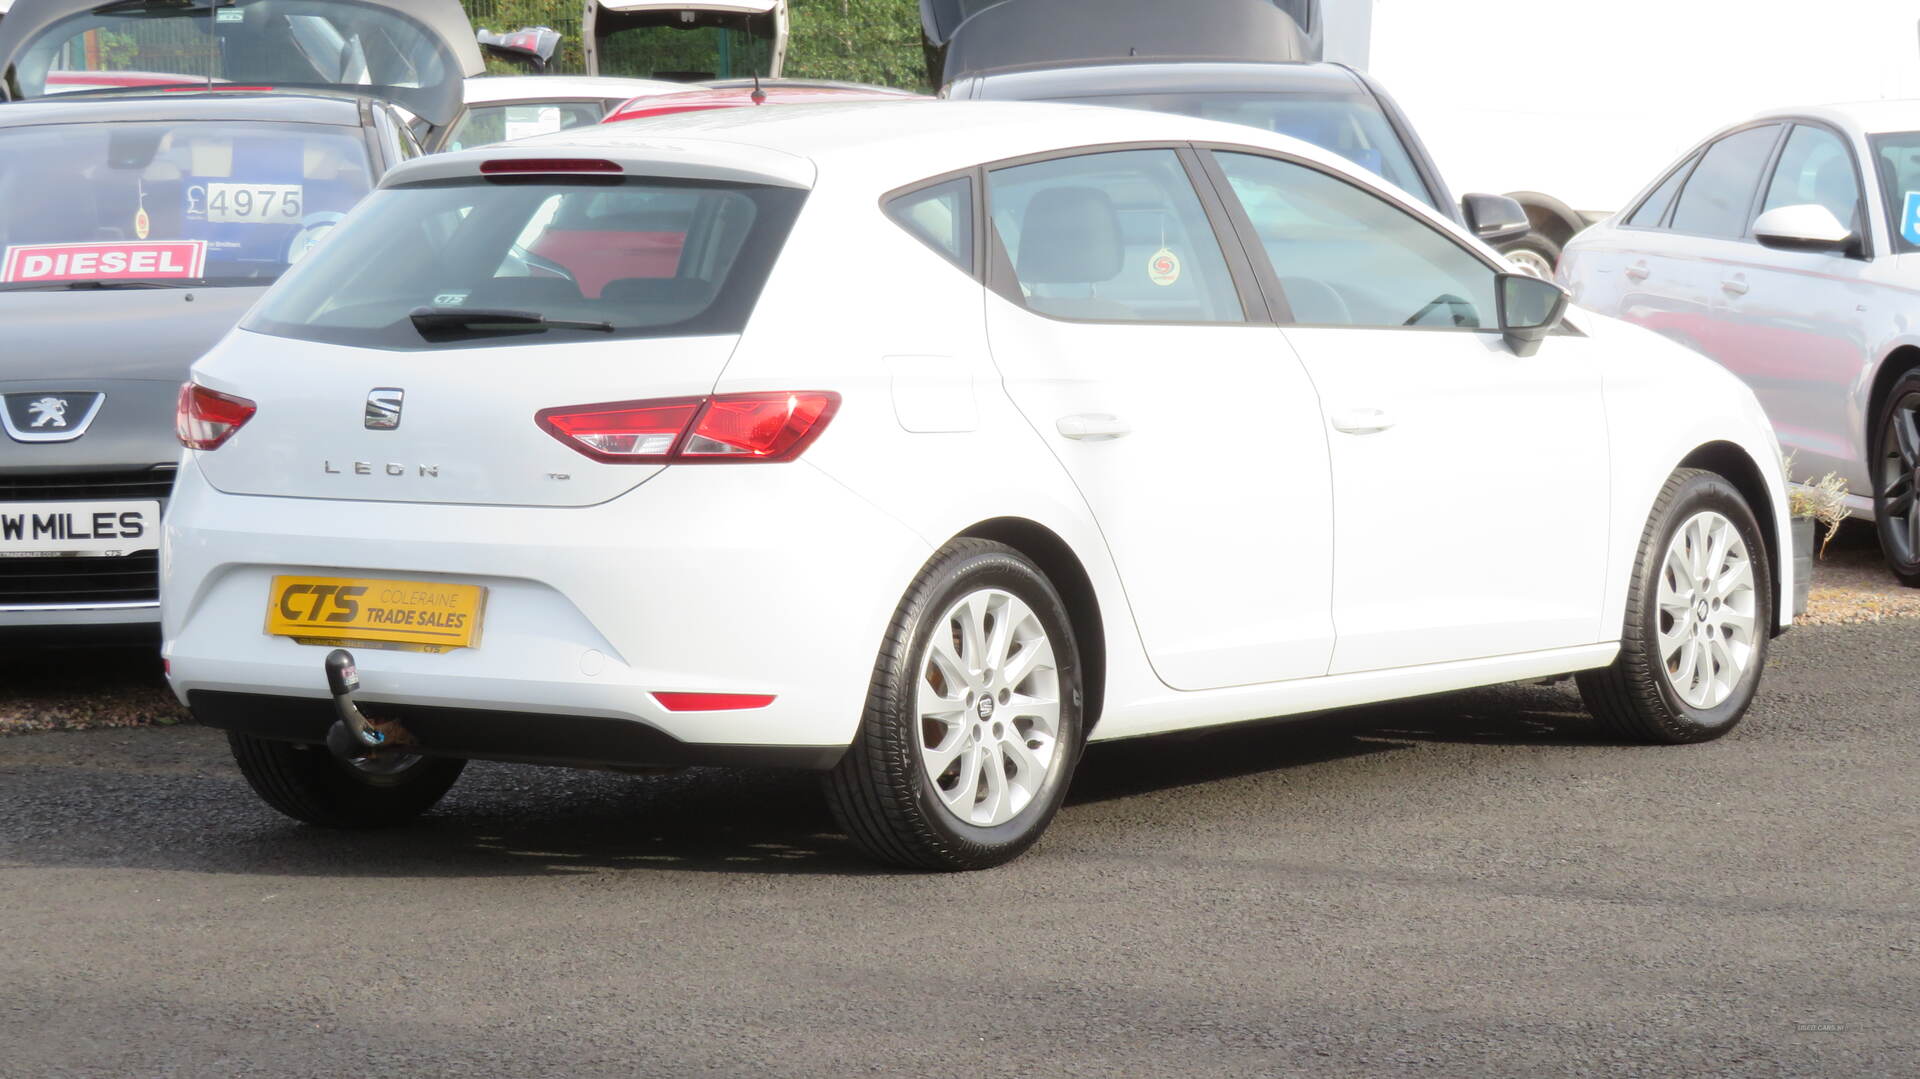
(205,418)
(687,430)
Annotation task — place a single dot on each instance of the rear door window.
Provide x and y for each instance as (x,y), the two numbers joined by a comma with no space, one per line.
(1115,236)
(1653,209)
(1718,195)
(640,257)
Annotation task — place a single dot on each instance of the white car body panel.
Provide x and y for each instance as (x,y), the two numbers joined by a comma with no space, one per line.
(945,423)
(1807,331)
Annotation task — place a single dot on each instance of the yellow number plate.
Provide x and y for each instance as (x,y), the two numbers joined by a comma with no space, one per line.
(425,615)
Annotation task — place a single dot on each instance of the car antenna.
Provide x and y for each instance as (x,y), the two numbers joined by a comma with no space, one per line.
(759,96)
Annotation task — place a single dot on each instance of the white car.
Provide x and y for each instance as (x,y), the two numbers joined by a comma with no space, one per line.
(1788,249)
(919,444)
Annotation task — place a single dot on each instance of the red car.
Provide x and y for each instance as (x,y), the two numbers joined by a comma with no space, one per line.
(741,93)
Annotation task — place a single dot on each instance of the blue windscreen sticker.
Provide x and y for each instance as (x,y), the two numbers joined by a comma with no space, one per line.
(1910,218)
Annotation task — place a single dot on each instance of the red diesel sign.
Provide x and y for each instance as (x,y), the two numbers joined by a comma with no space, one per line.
(113,260)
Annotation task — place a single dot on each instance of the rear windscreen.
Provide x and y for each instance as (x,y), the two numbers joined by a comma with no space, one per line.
(634,257)
(279,43)
(224,202)
(683,46)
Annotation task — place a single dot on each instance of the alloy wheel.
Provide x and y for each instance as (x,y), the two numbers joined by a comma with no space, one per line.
(1706,623)
(989,708)
(1897,479)
(1530,262)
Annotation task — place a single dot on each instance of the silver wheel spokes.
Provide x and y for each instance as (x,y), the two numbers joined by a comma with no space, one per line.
(1706,620)
(989,707)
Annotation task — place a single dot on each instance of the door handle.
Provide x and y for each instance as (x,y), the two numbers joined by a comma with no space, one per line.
(1638,271)
(1362,421)
(1736,286)
(1093,426)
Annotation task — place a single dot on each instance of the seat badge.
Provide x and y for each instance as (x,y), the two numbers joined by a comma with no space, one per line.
(383,408)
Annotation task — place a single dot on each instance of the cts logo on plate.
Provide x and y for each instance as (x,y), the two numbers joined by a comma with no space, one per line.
(49,416)
(383,407)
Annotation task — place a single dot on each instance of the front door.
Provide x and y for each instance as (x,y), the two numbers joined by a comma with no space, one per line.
(1188,426)
(1471,485)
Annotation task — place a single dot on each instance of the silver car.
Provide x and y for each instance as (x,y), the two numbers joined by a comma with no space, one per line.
(1787,248)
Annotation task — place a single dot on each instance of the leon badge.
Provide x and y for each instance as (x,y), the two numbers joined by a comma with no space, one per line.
(1163,267)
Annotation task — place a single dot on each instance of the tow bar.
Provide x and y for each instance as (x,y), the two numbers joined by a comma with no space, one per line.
(353,736)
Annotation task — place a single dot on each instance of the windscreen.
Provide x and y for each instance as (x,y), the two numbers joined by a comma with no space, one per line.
(1347,124)
(279,43)
(683,46)
(192,203)
(482,125)
(596,259)
(1898,157)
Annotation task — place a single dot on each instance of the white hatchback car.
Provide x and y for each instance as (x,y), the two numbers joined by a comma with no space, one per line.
(1787,248)
(918,444)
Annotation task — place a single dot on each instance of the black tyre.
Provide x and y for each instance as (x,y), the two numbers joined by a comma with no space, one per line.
(310,784)
(1699,615)
(972,726)
(1535,253)
(1895,471)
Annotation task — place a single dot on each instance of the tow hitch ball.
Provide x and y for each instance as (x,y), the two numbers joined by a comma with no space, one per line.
(353,736)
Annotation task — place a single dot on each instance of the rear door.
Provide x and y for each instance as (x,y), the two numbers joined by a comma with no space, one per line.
(1118,323)
(1693,263)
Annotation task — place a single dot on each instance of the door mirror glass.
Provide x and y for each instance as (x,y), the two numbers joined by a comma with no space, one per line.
(1529,310)
(1494,218)
(1807,227)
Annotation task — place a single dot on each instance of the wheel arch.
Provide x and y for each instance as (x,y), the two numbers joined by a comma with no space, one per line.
(1057,560)
(1553,218)
(1737,466)
(1897,362)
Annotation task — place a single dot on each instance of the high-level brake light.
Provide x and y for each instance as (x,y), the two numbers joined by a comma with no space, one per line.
(501,165)
(728,427)
(206,418)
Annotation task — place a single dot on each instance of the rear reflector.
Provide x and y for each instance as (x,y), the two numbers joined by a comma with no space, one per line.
(546,164)
(729,427)
(712,702)
(204,418)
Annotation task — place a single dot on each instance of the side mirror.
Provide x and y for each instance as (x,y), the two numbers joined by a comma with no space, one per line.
(1529,310)
(1809,227)
(530,45)
(1494,218)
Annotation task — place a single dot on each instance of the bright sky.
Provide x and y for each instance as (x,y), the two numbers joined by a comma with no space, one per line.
(1588,100)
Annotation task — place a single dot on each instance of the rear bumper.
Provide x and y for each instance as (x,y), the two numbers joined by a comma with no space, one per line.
(486,734)
(766,579)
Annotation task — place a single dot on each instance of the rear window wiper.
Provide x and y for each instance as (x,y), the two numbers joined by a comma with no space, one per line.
(51,286)
(435,322)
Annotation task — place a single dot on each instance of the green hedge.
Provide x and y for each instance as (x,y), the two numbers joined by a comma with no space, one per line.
(876,41)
